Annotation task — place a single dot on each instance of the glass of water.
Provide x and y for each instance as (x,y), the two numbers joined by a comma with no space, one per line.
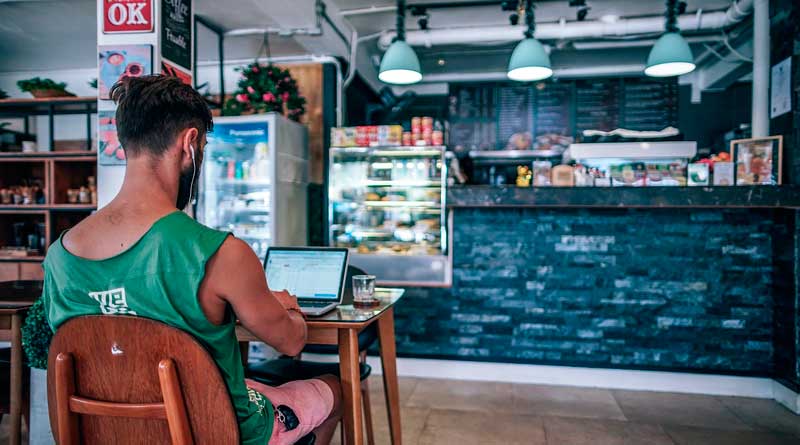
(364,290)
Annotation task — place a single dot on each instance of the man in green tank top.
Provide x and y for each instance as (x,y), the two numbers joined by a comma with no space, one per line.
(140,255)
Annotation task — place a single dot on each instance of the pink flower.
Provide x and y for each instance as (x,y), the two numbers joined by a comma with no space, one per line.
(285,96)
(242,98)
(255,69)
(268,97)
(251,90)
(286,79)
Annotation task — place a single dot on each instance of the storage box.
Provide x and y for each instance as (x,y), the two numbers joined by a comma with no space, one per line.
(723,173)
(698,174)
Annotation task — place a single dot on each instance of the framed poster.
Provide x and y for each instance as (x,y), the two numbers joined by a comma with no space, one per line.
(176,32)
(123,16)
(109,150)
(169,69)
(758,160)
(118,61)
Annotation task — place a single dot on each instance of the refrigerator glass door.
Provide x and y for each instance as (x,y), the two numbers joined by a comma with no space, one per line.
(237,186)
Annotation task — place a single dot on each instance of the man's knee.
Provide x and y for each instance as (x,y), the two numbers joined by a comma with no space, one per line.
(334,384)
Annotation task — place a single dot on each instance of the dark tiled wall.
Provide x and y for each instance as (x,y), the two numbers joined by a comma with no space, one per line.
(665,289)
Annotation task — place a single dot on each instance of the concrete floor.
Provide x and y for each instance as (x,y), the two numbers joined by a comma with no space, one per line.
(444,412)
(466,413)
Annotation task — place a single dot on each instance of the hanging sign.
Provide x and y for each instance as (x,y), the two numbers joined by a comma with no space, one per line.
(120,16)
(176,32)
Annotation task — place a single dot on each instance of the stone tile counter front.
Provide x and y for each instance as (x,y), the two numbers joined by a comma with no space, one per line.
(685,289)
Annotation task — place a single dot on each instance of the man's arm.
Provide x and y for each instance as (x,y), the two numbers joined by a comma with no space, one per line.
(235,275)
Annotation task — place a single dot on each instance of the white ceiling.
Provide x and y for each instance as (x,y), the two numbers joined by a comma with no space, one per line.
(42,35)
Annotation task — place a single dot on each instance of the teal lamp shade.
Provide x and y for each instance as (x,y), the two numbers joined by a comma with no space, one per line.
(670,56)
(529,61)
(400,65)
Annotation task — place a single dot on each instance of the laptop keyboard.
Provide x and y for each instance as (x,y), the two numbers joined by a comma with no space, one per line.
(314,304)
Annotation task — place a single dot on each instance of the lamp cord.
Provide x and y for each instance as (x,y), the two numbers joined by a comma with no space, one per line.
(401,20)
(529,19)
(672,19)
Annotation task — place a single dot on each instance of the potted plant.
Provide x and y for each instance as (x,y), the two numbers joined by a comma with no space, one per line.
(266,88)
(36,336)
(41,88)
(3,94)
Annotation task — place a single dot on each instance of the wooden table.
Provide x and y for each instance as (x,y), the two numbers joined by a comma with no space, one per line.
(341,327)
(15,299)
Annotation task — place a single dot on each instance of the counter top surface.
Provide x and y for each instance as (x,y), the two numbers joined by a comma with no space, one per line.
(624,197)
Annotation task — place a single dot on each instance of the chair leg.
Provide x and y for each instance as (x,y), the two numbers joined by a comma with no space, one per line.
(367,413)
(366,403)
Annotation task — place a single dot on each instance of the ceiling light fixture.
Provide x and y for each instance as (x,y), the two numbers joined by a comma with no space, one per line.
(671,54)
(400,65)
(529,61)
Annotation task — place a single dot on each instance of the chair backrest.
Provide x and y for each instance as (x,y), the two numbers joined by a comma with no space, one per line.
(131,380)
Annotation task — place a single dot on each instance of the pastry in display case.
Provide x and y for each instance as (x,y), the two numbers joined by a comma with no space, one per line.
(387,204)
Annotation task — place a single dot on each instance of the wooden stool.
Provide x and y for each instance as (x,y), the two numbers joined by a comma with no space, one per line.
(129,380)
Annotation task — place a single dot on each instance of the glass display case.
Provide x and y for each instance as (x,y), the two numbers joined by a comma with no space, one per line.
(242,189)
(387,204)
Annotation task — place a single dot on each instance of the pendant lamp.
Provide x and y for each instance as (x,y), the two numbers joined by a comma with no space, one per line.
(671,55)
(400,65)
(529,61)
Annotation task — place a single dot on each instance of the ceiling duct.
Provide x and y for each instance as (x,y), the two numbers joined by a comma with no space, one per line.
(711,21)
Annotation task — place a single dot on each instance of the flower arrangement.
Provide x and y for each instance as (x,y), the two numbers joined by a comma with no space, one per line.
(265,88)
(36,336)
(39,87)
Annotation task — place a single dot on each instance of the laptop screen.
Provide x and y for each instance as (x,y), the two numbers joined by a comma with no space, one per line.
(307,273)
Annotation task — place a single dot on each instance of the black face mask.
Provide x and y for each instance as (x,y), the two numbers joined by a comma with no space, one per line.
(184,188)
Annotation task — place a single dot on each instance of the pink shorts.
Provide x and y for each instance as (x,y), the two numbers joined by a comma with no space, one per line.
(311,400)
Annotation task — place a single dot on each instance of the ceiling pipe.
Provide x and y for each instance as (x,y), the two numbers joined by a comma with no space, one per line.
(574,30)
(560,73)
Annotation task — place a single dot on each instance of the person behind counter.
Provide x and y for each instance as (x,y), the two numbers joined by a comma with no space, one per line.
(141,256)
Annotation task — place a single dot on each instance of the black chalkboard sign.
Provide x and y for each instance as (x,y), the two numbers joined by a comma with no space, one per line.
(176,32)
(484,116)
(552,114)
(514,112)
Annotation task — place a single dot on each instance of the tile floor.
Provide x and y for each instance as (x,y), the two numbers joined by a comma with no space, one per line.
(444,412)
(467,413)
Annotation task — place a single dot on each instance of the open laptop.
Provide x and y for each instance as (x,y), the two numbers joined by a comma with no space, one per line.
(315,275)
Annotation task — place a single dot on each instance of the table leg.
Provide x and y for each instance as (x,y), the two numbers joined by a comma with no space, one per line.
(351,386)
(16,379)
(389,365)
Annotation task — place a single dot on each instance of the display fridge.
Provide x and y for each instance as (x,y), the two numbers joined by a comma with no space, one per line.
(254,180)
(387,205)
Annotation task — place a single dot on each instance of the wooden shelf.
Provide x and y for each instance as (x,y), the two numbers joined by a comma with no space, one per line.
(46,100)
(86,155)
(87,207)
(33,258)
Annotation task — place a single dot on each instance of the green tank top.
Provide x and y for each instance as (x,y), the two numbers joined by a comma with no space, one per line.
(158,278)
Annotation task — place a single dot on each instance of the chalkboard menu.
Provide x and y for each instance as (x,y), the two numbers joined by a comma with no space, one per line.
(484,116)
(650,105)
(553,103)
(597,104)
(514,112)
(472,117)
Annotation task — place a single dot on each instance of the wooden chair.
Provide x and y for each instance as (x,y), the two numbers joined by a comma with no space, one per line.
(131,380)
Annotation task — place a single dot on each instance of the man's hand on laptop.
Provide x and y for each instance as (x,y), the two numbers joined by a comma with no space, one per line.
(288,301)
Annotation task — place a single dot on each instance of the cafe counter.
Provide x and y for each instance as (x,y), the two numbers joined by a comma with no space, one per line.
(696,279)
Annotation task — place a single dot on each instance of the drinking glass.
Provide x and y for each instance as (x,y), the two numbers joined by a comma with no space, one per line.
(364,290)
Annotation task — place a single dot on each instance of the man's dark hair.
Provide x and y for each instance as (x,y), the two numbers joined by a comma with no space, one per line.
(152,110)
